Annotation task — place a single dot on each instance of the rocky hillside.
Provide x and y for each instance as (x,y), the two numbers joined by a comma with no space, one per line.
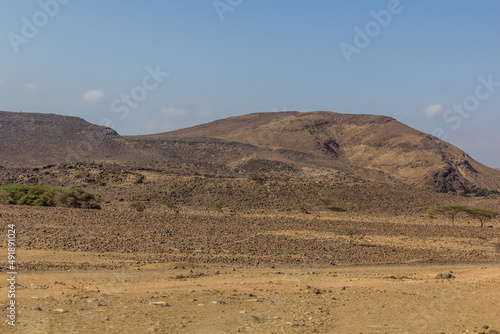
(374,147)
(306,145)
(34,140)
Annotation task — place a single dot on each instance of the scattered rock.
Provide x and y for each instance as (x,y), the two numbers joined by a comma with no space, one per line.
(159,303)
(218,302)
(255,319)
(59,310)
(445,276)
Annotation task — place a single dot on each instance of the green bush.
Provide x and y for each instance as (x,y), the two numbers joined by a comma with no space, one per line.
(219,205)
(19,194)
(4,197)
(484,192)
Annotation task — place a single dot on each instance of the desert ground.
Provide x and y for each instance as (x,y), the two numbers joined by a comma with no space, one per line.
(159,256)
(186,297)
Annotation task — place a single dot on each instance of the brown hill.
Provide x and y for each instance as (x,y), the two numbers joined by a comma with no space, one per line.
(310,145)
(370,147)
(34,140)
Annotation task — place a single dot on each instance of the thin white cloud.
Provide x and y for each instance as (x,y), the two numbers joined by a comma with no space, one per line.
(175,112)
(3,82)
(31,86)
(432,111)
(93,96)
(204,113)
(154,126)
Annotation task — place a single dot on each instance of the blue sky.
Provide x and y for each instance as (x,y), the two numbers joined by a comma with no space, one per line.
(153,66)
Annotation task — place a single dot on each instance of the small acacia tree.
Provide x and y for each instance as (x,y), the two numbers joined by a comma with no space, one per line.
(450,211)
(481,214)
(219,205)
(327,201)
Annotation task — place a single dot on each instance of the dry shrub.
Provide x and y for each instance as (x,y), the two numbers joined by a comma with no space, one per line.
(138,206)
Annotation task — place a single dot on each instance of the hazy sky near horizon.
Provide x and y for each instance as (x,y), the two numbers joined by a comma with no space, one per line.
(159,65)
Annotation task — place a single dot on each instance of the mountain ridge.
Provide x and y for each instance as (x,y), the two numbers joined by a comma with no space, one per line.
(36,139)
(307,144)
(370,142)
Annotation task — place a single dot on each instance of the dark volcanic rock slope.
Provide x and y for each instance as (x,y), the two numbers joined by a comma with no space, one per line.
(34,140)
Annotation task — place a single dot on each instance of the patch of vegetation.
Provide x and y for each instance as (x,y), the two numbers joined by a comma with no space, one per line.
(138,206)
(219,205)
(303,209)
(481,214)
(259,177)
(19,194)
(432,189)
(4,197)
(327,201)
(484,192)
(451,211)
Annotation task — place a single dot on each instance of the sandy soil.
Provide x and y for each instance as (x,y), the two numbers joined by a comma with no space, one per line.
(264,299)
(374,263)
